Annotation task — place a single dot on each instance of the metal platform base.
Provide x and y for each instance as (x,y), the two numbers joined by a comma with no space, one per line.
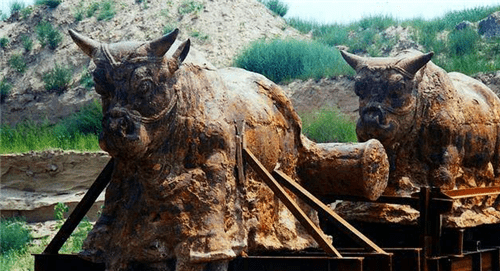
(354,260)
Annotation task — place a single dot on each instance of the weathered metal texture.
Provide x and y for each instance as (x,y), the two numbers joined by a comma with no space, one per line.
(439,129)
(177,191)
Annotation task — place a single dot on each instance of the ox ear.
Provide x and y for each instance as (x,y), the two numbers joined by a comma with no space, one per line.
(182,51)
(87,45)
(413,64)
(353,60)
(160,46)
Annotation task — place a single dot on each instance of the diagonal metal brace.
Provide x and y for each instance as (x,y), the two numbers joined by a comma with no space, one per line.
(320,207)
(81,209)
(280,192)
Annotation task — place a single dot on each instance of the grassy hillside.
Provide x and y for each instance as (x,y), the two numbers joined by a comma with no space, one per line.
(455,50)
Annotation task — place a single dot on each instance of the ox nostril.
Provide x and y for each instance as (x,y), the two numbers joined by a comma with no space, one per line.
(119,123)
(374,115)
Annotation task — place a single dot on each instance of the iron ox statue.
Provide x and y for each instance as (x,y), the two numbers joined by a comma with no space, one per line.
(169,123)
(439,129)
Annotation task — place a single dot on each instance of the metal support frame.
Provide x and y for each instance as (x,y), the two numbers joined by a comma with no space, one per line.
(431,203)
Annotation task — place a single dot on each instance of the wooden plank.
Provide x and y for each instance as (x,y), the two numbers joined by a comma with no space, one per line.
(319,206)
(280,192)
(81,209)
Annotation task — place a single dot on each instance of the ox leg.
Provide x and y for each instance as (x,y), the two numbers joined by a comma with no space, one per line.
(445,169)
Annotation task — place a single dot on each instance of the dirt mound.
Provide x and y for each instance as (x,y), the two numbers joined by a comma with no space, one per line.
(220,29)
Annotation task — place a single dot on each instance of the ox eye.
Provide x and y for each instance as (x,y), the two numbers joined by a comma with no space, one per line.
(145,86)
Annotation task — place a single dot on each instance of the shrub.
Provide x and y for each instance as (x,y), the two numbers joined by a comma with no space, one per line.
(86,121)
(26,12)
(328,125)
(47,34)
(16,6)
(276,6)
(5,88)
(188,6)
(27,42)
(49,3)
(281,60)
(18,63)
(199,35)
(86,80)
(14,235)
(77,132)
(58,78)
(92,9)
(462,42)
(4,41)
(169,28)
(106,10)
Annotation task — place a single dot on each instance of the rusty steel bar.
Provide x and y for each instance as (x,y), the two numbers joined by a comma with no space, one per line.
(81,209)
(473,192)
(319,206)
(278,190)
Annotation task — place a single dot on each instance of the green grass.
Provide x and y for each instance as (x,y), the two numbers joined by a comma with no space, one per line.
(282,60)
(5,88)
(18,63)
(27,42)
(278,7)
(463,51)
(49,3)
(16,236)
(328,125)
(106,10)
(77,132)
(4,41)
(190,6)
(16,6)
(48,35)
(58,78)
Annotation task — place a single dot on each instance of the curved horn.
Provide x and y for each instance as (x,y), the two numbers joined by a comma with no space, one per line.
(353,60)
(413,64)
(87,45)
(182,51)
(160,46)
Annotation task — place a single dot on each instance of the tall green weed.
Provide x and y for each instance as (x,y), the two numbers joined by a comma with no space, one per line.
(48,35)
(277,6)
(77,132)
(282,60)
(328,125)
(14,235)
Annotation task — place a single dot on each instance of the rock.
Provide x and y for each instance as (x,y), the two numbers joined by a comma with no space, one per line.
(464,25)
(33,183)
(490,26)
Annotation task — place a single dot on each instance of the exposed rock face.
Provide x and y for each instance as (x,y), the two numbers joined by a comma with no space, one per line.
(171,129)
(490,26)
(439,129)
(33,183)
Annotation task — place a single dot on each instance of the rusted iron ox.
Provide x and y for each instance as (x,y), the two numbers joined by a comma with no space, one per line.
(171,125)
(439,129)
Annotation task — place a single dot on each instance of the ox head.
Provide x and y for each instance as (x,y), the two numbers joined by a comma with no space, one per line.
(387,95)
(135,81)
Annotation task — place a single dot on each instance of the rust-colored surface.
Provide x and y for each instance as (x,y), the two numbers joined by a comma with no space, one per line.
(170,124)
(439,129)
